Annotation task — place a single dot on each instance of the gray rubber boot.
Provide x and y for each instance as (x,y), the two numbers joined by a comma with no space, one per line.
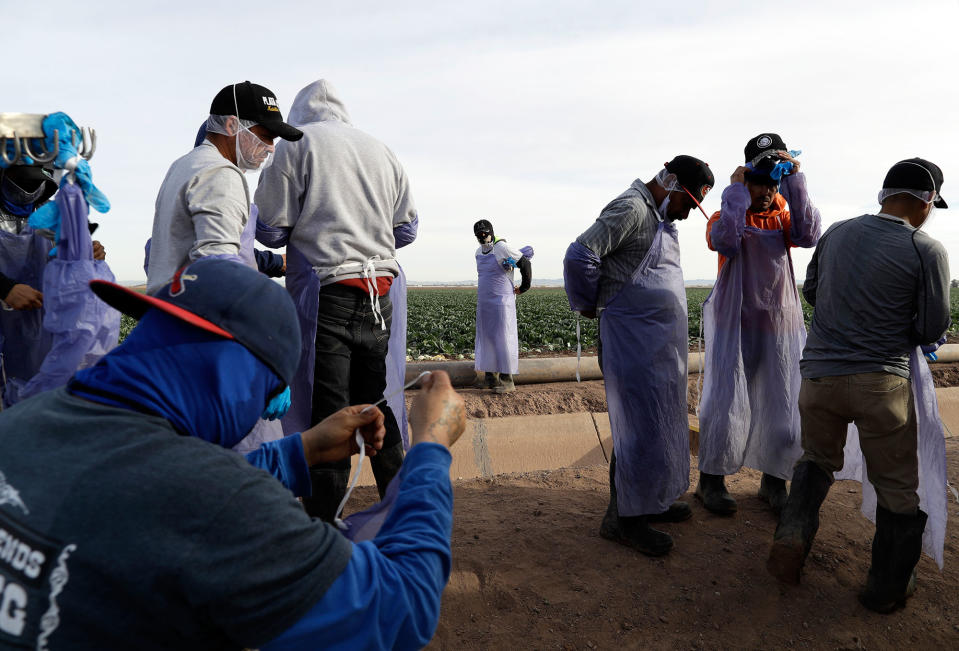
(895,552)
(488,381)
(386,464)
(329,487)
(798,522)
(505,384)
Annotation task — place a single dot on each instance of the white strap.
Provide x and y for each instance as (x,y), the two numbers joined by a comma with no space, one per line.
(369,273)
(359,441)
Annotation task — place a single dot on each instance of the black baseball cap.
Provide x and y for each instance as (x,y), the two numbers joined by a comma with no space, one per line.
(227,299)
(693,175)
(916,174)
(760,149)
(482,226)
(257,103)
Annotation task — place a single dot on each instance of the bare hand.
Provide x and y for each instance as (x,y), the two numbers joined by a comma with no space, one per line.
(24,297)
(99,253)
(438,415)
(739,176)
(785,155)
(517,291)
(332,438)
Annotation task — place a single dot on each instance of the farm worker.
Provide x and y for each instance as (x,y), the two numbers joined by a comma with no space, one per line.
(754,330)
(497,342)
(625,269)
(204,203)
(24,253)
(880,287)
(337,199)
(157,509)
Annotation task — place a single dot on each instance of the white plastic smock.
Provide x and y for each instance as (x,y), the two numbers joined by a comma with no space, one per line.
(497,341)
(932,461)
(754,337)
(644,334)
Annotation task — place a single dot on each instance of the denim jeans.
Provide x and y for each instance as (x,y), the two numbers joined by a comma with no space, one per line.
(351,357)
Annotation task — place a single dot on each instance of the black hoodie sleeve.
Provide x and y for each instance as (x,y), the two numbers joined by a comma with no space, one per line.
(526,271)
(6,284)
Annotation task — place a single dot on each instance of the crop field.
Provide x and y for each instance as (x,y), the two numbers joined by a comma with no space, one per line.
(442,321)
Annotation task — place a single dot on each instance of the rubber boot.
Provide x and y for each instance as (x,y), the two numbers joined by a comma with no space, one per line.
(488,381)
(711,490)
(505,384)
(386,464)
(798,522)
(895,552)
(677,512)
(635,531)
(329,487)
(772,490)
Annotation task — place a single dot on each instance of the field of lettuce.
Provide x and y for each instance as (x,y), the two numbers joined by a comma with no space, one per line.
(442,321)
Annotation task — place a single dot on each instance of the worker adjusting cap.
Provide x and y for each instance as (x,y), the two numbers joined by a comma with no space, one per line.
(257,103)
(228,299)
(693,174)
(916,174)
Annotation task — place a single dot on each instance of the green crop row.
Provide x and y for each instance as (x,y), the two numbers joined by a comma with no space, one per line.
(442,321)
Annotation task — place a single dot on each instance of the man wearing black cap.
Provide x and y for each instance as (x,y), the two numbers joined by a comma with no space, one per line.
(753,323)
(625,267)
(204,202)
(124,521)
(880,287)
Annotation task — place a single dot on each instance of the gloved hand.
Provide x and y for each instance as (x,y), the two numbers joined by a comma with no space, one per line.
(929,350)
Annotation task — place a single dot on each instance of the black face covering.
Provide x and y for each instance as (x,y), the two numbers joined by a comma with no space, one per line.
(25,186)
(482,228)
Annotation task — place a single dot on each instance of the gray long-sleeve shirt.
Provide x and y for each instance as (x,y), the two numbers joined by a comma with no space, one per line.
(621,237)
(880,288)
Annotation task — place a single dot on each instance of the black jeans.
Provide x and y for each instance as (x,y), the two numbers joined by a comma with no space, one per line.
(351,357)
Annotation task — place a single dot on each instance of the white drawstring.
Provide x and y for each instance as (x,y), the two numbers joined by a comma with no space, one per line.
(359,441)
(579,347)
(369,273)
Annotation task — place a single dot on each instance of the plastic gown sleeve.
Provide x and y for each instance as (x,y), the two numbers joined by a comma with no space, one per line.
(581,277)
(283,458)
(388,596)
(404,234)
(806,220)
(724,233)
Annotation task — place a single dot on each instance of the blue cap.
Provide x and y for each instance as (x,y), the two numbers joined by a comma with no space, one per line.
(228,299)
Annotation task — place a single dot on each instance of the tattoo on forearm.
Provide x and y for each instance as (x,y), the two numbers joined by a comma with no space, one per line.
(453,411)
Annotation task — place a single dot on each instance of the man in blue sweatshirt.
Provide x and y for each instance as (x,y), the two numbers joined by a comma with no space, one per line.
(125,522)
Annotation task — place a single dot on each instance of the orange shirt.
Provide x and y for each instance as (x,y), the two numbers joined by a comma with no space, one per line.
(775,219)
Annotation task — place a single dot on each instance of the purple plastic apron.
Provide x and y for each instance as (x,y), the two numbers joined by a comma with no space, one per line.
(23,341)
(82,327)
(396,357)
(932,461)
(754,332)
(497,341)
(644,332)
(304,288)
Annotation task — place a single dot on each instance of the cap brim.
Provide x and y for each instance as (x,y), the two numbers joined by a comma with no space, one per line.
(136,305)
(283,130)
(939,202)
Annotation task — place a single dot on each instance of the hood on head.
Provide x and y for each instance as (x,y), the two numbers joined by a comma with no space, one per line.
(318,102)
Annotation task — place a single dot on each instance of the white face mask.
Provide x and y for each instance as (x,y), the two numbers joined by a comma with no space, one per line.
(252,153)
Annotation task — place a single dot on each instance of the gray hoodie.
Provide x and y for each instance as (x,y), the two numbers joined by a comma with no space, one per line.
(339,190)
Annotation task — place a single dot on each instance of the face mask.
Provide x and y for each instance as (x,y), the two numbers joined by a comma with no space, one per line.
(252,153)
(17,195)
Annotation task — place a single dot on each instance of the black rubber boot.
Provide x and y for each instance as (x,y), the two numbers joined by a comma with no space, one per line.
(635,531)
(677,512)
(711,490)
(798,522)
(386,464)
(895,552)
(329,487)
(772,490)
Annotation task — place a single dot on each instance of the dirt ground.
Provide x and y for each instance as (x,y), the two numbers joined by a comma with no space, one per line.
(531,572)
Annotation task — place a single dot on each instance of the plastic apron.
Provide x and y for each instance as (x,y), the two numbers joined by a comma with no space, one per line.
(754,332)
(23,341)
(932,460)
(396,357)
(644,333)
(497,341)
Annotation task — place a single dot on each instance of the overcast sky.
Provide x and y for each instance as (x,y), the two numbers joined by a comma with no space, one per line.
(530,114)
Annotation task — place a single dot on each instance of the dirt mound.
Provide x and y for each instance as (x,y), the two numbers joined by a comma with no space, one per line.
(530,571)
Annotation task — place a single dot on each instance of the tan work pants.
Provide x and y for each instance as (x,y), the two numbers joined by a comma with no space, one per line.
(881,406)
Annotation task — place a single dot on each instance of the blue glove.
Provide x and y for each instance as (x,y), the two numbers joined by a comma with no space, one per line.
(929,350)
(279,405)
